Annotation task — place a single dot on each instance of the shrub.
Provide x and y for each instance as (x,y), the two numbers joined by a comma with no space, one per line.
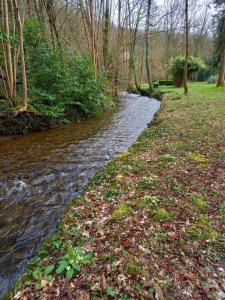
(156,93)
(176,68)
(212,79)
(166,82)
(61,82)
(156,84)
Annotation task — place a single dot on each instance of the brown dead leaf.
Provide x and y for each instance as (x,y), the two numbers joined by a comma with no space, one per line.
(104,284)
(83,296)
(86,234)
(190,276)
(158,293)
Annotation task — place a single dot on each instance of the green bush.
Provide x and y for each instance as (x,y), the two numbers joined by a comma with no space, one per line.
(176,68)
(166,82)
(61,82)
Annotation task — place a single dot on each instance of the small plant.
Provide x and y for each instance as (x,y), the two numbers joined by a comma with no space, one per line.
(72,261)
(149,201)
(202,229)
(167,158)
(111,194)
(42,273)
(122,211)
(132,268)
(222,213)
(199,203)
(161,215)
(57,245)
(198,158)
(146,182)
(123,154)
(110,291)
(202,234)
(125,297)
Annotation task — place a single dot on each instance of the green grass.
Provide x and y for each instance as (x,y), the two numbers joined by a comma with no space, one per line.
(153,217)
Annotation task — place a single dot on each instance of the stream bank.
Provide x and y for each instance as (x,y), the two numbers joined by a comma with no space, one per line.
(149,225)
(15,123)
(41,172)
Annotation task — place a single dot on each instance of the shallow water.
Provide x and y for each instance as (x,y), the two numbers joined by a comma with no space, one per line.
(41,172)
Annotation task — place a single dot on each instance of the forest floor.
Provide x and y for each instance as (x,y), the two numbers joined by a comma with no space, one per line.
(151,224)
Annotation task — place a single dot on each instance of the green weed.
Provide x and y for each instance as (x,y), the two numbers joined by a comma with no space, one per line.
(161,215)
(122,211)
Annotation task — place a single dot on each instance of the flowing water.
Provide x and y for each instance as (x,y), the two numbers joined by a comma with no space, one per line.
(41,172)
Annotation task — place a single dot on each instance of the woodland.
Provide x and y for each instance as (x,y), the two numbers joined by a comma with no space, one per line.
(101,207)
(65,60)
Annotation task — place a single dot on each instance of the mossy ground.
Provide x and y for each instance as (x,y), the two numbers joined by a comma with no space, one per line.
(154,218)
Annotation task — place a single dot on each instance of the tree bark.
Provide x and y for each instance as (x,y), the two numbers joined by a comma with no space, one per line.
(106,35)
(22,57)
(220,81)
(116,72)
(185,75)
(147,51)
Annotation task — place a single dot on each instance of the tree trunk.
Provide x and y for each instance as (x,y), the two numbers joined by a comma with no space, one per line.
(7,50)
(220,81)
(106,35)
(116,72)
(147,54)
(8,70)
(22,58)
(185,75)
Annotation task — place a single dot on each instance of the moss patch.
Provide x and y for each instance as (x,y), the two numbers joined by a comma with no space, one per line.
(199,203)
(161,215)
(122,211)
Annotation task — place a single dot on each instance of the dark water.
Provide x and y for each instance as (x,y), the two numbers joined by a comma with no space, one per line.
(41,172)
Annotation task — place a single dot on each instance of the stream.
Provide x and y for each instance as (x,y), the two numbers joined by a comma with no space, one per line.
(41,172)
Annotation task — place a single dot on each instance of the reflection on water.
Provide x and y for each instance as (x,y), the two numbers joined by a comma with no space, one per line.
(41,172)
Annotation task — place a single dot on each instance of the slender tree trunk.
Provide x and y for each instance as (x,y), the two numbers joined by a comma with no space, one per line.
(50,10)
(22,58)
(92,34)
(116,72)
(85,21)
(8,69)
(147,50)
(15,53)
(185,75)
(7,50)
(106,35)
(220,81)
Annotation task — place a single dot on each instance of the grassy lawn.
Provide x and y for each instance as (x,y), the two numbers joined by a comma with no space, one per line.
(151,224)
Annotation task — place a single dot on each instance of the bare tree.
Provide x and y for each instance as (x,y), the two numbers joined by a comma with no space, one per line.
(106,34)
(185,75)
(147,48)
